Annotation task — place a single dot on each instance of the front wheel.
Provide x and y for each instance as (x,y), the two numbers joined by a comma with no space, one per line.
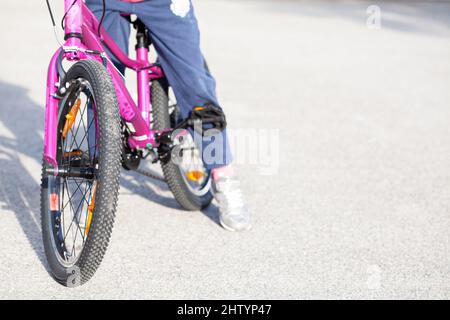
(78,204)
(187,177)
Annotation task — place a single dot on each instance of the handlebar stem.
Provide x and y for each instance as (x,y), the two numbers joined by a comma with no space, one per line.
(74,18)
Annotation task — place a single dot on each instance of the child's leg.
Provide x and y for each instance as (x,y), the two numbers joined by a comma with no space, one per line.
(175,34)
(114,23)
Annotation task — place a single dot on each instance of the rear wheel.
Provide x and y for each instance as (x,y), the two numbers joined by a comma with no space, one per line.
(78,204)
(188,179)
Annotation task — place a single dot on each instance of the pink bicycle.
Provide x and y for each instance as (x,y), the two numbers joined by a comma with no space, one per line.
(93,127)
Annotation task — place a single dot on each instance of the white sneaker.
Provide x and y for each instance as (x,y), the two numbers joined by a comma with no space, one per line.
(234,215)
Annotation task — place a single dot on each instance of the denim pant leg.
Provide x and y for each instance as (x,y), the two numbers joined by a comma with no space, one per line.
(176,37)
(115,24)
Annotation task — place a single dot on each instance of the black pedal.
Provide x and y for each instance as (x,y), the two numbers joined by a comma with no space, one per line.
(204,118)
(165,146)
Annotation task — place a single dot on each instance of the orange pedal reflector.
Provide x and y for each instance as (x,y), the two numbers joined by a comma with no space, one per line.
(70,117)
(54,202)
(194,175)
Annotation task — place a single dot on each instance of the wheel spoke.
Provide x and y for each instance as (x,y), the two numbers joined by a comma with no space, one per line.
(71,196)
(78,127)
(75,212)
(85,131)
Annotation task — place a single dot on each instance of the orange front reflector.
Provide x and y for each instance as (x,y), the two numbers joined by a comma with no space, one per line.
(91,209)
(76,153)
(194,175)
(54,202)
(88,222)
(199,108)
(70,117)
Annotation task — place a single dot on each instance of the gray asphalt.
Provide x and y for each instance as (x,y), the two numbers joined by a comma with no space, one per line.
(358,205)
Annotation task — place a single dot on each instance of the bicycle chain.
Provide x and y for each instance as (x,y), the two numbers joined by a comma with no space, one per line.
(151,175)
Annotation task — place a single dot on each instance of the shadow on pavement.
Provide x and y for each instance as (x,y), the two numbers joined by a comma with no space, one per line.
(19,191)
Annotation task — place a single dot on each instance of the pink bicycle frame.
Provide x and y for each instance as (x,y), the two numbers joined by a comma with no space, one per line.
(83,42)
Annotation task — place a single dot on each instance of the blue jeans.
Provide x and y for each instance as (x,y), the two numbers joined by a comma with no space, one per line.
(176,37)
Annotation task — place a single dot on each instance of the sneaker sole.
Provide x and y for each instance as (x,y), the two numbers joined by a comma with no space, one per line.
(231,229)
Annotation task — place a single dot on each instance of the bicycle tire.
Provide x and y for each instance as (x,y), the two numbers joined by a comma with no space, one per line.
(161,120)
(108,166)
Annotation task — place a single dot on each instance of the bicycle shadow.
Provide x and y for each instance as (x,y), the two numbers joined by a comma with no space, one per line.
(21,145)
(21,126)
